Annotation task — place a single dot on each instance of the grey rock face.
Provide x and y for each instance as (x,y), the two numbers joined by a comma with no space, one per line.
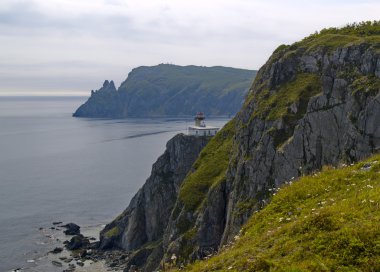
(340,124)
(144,221)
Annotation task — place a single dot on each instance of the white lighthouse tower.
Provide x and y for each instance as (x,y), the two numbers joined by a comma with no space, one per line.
(200,128)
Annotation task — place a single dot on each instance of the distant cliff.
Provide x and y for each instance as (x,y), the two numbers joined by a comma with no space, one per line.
(171,90)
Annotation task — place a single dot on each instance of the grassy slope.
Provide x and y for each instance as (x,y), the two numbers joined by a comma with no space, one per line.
(331,38)
(329,221)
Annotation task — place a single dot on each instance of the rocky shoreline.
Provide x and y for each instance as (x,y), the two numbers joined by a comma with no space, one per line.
(73,248)
(84,253)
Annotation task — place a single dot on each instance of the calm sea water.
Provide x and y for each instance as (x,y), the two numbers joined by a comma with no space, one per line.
(57,168)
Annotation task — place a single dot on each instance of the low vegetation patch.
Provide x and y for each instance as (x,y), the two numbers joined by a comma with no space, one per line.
(329,221)
(272,106)
(366,84)
(115,231)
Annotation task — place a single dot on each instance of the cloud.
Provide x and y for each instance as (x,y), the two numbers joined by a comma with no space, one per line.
(86,41)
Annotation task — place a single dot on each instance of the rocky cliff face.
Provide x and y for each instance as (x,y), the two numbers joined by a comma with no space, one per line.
(171,90)
(314,103)
(141,226)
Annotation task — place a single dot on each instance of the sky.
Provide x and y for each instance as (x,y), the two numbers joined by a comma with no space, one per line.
(69,47)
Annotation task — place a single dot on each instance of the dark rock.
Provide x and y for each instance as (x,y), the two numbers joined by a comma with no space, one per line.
(366,167)
(94,245)
(56,263)
(83,253)
(57,223)
(113,264)
(77,242)
(57,250)
(71,229)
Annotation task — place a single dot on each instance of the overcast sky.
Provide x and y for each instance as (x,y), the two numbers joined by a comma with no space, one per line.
(71,46)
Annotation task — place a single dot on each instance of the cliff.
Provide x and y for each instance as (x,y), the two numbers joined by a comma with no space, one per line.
(171,90)
(142,224)
(314,103)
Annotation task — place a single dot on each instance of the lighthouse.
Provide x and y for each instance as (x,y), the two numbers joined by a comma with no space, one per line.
(200,128)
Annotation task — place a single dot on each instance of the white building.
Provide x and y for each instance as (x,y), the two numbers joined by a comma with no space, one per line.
(200,128)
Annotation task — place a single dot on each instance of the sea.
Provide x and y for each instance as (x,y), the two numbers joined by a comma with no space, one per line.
(56,168)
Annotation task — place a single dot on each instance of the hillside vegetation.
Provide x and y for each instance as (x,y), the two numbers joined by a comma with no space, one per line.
(328,221)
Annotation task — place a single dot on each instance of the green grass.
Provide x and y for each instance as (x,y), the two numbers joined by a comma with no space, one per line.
(329,221)
(332,38)
(209,169)
(366,84)
(115,231)
(276,105)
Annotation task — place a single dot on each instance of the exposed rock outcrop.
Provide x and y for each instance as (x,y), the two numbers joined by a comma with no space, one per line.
(71,229)
(171,90)
(142,224)
(103,103)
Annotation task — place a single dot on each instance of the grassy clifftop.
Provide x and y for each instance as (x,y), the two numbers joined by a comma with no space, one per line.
(333,37)
(329,221)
